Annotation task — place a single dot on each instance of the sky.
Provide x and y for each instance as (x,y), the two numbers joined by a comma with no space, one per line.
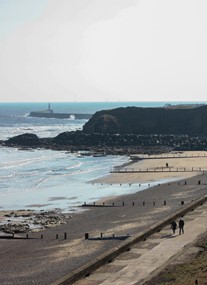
(103,50)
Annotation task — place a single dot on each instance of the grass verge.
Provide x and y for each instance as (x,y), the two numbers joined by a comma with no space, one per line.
(192,271)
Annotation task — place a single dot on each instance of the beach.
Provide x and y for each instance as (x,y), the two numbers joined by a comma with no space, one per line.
(157,170)
(53,258)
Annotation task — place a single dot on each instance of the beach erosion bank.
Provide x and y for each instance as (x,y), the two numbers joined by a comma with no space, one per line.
(129,215)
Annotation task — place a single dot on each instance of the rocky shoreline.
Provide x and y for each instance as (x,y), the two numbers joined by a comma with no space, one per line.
(110,144)
(24,221)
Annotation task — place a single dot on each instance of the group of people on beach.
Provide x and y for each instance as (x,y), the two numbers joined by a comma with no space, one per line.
(181,224)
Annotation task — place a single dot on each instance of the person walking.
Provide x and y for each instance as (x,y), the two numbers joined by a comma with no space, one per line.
(173,226)
(181,226)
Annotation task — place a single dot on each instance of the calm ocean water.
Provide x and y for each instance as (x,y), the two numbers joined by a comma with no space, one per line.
(46,179)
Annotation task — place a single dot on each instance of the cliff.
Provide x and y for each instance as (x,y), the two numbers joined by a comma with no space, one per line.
(129,130)
(135,120)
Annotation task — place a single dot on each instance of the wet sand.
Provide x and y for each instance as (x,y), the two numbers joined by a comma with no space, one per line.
(42,261)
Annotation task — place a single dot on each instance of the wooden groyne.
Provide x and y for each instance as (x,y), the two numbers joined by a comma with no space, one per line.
(169,156)
(158,170)
(166,168)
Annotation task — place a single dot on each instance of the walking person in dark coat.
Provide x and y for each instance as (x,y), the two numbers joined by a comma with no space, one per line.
(173,226)
(181,226)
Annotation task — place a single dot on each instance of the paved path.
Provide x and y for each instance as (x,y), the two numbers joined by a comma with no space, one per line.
(147,258)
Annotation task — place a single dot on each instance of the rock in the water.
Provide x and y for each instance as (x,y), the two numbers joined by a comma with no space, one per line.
(27,140)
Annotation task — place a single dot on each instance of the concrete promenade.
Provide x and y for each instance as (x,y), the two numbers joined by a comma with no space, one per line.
(147,258)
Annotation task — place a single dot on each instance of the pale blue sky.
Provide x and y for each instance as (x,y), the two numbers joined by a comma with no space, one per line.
(98,50)
(16,13)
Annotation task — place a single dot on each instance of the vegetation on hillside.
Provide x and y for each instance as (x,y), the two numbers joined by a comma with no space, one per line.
(136,120)
(190,273)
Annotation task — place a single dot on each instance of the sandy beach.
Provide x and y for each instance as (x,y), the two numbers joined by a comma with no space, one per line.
(53,258)
(155,164)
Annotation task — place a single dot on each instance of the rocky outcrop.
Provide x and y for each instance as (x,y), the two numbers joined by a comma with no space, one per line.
(20,222)
(28,140)
(129,130)
(134,120)
(49,219)
(12,228)
(117,144)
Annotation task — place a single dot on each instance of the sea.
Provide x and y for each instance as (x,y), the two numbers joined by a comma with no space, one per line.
(40,179)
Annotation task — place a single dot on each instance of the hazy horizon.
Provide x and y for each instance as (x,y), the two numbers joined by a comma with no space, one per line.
(103,50)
